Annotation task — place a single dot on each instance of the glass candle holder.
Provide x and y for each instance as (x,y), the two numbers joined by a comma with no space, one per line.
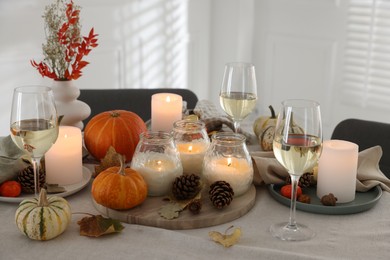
(157,160)
(228,159)
(191,141)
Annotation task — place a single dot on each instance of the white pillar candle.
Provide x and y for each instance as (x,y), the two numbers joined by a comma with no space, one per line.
(158,170)
(64,159)
(337,169)
(237,172)
(191,156)
(166,109)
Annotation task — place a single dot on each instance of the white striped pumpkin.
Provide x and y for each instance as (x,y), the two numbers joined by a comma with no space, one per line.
(43,218)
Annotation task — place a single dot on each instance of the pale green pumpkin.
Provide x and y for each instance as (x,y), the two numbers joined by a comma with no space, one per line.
(43,218)
(264,128)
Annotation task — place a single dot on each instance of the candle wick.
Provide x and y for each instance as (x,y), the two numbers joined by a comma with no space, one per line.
(229,162)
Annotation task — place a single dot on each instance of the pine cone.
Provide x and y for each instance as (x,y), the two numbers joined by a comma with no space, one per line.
(221,194)
(195,206)
(186,186)
(305,181)
(329,200)
(26,176)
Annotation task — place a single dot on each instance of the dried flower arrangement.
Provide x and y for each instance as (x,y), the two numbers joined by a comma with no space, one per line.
(65,47)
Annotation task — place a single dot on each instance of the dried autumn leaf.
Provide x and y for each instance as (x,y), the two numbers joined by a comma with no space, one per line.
(170,210)
(110,159)
(96,226)
(227,240)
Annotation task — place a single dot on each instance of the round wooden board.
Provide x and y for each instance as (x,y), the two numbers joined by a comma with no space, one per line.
(147,213)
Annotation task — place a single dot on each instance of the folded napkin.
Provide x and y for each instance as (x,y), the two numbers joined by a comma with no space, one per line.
(10,159)
(267,170)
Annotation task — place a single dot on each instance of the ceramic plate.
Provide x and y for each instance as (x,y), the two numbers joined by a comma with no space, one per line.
(363,201)
(70,189)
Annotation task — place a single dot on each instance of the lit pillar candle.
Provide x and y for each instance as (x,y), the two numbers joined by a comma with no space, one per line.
(166,109)
(337,169)
(64,159)
(191,156)
(237,172)
(158,170)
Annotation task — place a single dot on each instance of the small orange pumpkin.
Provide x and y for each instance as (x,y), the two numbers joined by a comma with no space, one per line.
(119,188)
(118,128)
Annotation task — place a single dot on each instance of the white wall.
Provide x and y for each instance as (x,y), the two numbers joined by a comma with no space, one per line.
(296,45)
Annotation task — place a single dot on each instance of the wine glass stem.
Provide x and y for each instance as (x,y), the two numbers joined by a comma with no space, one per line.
(294,183)
(36,165)
(236,126)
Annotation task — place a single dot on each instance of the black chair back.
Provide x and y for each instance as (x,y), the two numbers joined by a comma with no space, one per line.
(135,100)
(366,134)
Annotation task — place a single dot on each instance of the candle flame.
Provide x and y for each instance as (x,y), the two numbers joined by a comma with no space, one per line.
(159,165)
(190,148)
(66,135)
(229,161)
(168,99)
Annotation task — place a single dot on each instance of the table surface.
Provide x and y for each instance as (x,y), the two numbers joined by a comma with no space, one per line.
(357,236)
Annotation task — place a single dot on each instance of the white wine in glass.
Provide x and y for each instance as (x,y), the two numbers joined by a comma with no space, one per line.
(238,94)
(297,146)
(34,123)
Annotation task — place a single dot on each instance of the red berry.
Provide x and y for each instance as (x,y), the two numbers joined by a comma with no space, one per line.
(10,189)
(286,191)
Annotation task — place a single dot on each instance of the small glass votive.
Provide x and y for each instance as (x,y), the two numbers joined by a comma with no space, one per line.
(157,160)
(191,141)
(228,159)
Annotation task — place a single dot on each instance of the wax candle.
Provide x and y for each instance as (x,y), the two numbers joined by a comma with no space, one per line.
(337,169)
(191,156)
(64,159)
(166,109)
(238,172)
(158,170)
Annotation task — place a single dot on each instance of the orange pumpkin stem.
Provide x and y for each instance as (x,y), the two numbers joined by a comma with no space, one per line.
(115,114)
(122,168)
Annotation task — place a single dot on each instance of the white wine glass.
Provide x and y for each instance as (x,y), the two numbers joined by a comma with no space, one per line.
(238,92)
(297,146)
(34,123)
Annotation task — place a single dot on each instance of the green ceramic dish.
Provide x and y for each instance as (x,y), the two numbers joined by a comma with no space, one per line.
(363,201)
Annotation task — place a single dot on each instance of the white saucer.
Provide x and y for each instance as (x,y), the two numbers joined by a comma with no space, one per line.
(69,189)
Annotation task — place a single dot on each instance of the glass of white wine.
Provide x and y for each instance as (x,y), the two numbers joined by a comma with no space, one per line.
(297,146)
(238,92)
(34,123)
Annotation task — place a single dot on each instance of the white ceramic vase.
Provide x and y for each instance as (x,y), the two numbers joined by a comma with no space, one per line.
(73,110)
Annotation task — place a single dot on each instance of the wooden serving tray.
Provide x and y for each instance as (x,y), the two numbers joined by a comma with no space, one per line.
(147,213)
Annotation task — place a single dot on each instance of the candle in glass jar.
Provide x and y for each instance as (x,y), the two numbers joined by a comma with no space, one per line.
(158,170)
(166,109)
(236,171)
(63,161)
(191,156)
(337,169)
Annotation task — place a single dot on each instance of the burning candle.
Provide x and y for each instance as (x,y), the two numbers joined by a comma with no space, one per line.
(63,161)
(158,170)
(238,172)
(191,156)
(337,169)
(166,109)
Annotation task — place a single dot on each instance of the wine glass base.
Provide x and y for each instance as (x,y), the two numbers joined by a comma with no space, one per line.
(284,231)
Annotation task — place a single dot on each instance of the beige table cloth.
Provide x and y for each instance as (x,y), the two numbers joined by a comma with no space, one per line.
(364,235)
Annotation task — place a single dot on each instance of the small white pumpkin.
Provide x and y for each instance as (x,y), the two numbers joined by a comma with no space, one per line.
(43,218)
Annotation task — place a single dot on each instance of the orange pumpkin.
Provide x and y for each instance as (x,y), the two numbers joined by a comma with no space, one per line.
(119,188)
(118,128)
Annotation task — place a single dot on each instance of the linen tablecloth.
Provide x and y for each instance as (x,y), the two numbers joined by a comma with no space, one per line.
(364,235)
